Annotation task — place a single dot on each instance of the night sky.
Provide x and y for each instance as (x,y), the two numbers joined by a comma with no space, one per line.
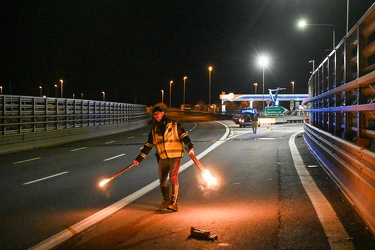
(133,49)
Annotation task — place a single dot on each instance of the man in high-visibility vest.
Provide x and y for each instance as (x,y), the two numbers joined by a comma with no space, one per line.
(168,136)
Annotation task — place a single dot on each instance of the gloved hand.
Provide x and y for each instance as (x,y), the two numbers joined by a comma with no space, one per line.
(191,151)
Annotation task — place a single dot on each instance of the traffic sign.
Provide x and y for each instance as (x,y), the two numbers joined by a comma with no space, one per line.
(278,110)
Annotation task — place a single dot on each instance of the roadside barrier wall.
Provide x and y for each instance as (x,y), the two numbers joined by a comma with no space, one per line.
(28,122)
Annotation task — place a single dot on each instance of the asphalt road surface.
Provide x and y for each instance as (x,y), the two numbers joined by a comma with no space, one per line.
(267,197)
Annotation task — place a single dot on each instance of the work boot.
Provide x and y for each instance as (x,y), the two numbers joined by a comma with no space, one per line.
(174,194)
(166,201)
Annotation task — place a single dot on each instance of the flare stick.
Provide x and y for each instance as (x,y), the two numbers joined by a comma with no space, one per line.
(102,183)
(197,163)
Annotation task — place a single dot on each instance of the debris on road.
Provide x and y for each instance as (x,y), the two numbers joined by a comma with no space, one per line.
(202,234)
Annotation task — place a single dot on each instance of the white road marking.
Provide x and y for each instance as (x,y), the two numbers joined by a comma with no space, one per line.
(109,142)
(334,230)
(72,150)
(130,137)
(114,157)
(45,178)
(102,214)
(32,159)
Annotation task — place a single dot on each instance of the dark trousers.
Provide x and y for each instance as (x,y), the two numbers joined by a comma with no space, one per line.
(171,167)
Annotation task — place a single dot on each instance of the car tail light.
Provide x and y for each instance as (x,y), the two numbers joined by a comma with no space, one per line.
(240,119)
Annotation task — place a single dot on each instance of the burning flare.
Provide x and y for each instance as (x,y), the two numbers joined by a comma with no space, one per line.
(103,182)
(211,181)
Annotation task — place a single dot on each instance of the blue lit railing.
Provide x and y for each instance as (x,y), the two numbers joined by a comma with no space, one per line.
(341,106)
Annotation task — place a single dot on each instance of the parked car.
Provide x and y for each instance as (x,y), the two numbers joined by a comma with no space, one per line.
(238,114)
(246,120)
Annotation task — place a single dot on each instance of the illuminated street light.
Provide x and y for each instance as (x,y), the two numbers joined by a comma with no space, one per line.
(81,95)
(185,77)
(40,91)
(162,96)
(62,88)
(170,94)
(263,62)
(56,90)
(313,63)
(255,87)
(209,85)
(103,93)
(292,87)
(1,89)
(302,24)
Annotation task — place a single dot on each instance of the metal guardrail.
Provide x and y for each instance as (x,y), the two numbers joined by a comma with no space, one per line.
(341,108)
(38,121)
(350,166)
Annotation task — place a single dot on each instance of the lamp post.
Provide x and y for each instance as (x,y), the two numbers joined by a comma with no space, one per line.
(292,87)
(263,62)
(313,63)
(1,89)
(81,95)
(347,16)
(302,24)
(170,94)
(209,85)
(162,96)
(255,87)
(103,93)
(55,90)
(62,88)
(185,77)
(40,91)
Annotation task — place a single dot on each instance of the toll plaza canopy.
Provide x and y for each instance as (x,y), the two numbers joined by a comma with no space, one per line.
(260,97)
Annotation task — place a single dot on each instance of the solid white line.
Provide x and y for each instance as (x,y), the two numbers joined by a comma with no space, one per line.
(114,157)
(102,214)
(334,230)
(72,150)
(33,159)
(42,179)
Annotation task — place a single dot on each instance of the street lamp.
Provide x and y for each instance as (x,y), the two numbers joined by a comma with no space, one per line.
(1,89)
(255,87)
(81,95)
(302,24)
(162,96)
(62,88)
(292,87)
(40,91)
(185,77)
(170,94)
(313,63)
(263,62)
(55,90)
(209,85)
(103,95)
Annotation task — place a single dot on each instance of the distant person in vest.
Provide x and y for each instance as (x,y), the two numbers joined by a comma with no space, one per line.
(168,137)
(255,123)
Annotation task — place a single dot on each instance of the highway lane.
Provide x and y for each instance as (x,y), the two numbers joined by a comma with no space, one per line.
(48,189)
(260,204)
